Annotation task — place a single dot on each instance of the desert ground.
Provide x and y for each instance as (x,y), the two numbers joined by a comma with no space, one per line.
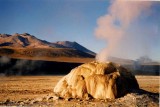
(38,90)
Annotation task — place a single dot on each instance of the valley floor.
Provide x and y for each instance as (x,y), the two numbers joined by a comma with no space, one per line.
(38,90)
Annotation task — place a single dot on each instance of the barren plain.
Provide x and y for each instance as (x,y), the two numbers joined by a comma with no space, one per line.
(38,91)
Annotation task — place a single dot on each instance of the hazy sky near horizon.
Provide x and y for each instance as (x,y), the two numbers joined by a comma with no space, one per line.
(72,20)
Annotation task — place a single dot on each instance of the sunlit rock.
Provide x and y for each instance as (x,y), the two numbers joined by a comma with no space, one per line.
(98,80)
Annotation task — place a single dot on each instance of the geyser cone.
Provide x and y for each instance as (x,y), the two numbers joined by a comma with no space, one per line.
(98,80)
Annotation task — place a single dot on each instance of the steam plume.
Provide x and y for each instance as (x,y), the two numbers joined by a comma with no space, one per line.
(4,60)
(114,26)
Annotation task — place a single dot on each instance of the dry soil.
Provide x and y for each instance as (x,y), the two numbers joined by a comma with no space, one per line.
(38,91)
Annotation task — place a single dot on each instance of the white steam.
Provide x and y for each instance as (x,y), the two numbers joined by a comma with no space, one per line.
(115,26)
(4,60)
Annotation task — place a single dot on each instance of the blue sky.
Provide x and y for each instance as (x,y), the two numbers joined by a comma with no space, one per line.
(54,20)
(59,20)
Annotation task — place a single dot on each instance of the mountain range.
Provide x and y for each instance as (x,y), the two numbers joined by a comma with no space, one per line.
(30,47)
(26,45)
(29,41)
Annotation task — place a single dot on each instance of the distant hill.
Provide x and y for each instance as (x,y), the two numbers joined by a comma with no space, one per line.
(26,45)
(25,41)
(75,45)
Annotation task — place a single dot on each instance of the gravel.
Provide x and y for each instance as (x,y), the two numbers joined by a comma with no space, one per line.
(137,98)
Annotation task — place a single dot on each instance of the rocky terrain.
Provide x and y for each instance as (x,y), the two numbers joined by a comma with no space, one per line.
(24,54)
(14,91)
